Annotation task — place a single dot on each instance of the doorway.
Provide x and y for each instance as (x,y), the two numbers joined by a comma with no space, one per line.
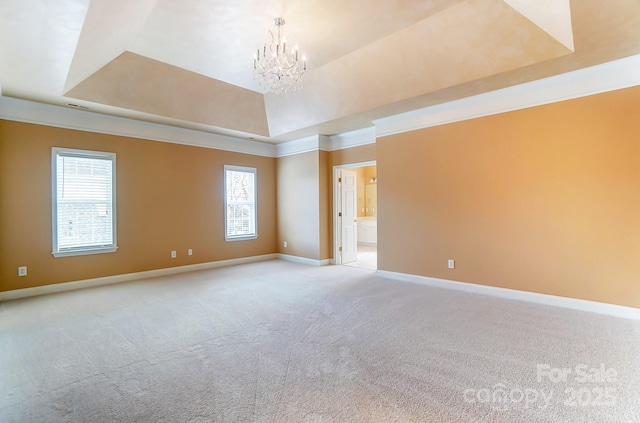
(355,214)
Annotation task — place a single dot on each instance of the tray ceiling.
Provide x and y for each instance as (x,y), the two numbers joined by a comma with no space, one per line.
(189,63)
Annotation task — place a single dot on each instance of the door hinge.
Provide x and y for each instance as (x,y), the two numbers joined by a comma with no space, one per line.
(339,214)
(339,179)
(340,249)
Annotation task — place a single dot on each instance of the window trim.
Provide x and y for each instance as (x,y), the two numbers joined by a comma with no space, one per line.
(255,199)
(77,251)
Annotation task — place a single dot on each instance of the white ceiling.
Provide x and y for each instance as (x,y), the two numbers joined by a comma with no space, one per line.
(189,63)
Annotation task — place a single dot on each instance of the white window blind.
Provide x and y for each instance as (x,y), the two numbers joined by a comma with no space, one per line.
(240,203)
(84,206)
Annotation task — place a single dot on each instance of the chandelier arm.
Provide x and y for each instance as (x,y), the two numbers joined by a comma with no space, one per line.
(281,71)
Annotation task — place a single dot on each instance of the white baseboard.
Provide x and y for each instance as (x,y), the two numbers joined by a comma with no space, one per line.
(304,260)
(108,280)
(532,297)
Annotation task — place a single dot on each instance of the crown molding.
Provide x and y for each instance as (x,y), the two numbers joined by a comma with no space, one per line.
(327,143)
(302,145)
(27,111)
(353,139)
(618,74)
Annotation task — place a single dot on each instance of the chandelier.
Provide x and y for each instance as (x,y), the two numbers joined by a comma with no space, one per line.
(278,68)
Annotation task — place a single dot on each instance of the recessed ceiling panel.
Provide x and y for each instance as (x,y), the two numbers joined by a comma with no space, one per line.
(138,83)
(183,63)
(470,41)
(218,38)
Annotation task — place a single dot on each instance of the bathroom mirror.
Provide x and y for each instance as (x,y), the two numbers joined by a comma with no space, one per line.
(371,199)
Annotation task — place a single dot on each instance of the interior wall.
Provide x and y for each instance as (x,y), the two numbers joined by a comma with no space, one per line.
(545,199)
(298,204)
(363,175)
(369,172)
(323,198)
(360,189)
(169,197)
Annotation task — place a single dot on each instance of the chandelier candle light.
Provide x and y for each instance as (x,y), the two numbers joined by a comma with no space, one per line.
(277,69)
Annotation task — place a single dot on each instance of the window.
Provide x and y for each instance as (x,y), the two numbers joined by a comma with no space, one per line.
(84,212)
(240,203)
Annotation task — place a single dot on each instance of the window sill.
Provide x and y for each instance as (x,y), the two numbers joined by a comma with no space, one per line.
(84,252)
(241,238)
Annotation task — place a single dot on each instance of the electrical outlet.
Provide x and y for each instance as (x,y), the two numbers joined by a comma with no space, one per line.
(190,252)
(22,271)
(451,264)
(285,244)
(173,254)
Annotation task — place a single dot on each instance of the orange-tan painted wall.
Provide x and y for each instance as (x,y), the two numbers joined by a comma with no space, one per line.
(169,197)
(364,153)
(545,199)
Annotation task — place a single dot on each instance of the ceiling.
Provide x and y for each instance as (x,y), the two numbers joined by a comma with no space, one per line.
(189,63)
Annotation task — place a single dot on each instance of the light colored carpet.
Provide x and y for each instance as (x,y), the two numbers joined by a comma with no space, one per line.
(283,342)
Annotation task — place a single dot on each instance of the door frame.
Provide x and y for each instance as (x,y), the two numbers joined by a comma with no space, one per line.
(337,205)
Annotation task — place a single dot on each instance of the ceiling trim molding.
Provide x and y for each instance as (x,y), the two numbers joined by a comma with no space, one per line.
(618,74)
(62,117)
(299,146)
(327,143)
(353,139)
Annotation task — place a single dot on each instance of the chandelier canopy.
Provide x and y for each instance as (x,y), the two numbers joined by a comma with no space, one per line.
(277,67)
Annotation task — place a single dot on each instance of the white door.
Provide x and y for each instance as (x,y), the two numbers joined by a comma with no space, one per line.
(349,197)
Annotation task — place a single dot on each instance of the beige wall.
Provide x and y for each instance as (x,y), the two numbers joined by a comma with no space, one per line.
(298,203)
(326,216)
(360,182)
(369,172)
(363,153)
(363,175)
(169,197)
(305,200)
(545,199)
